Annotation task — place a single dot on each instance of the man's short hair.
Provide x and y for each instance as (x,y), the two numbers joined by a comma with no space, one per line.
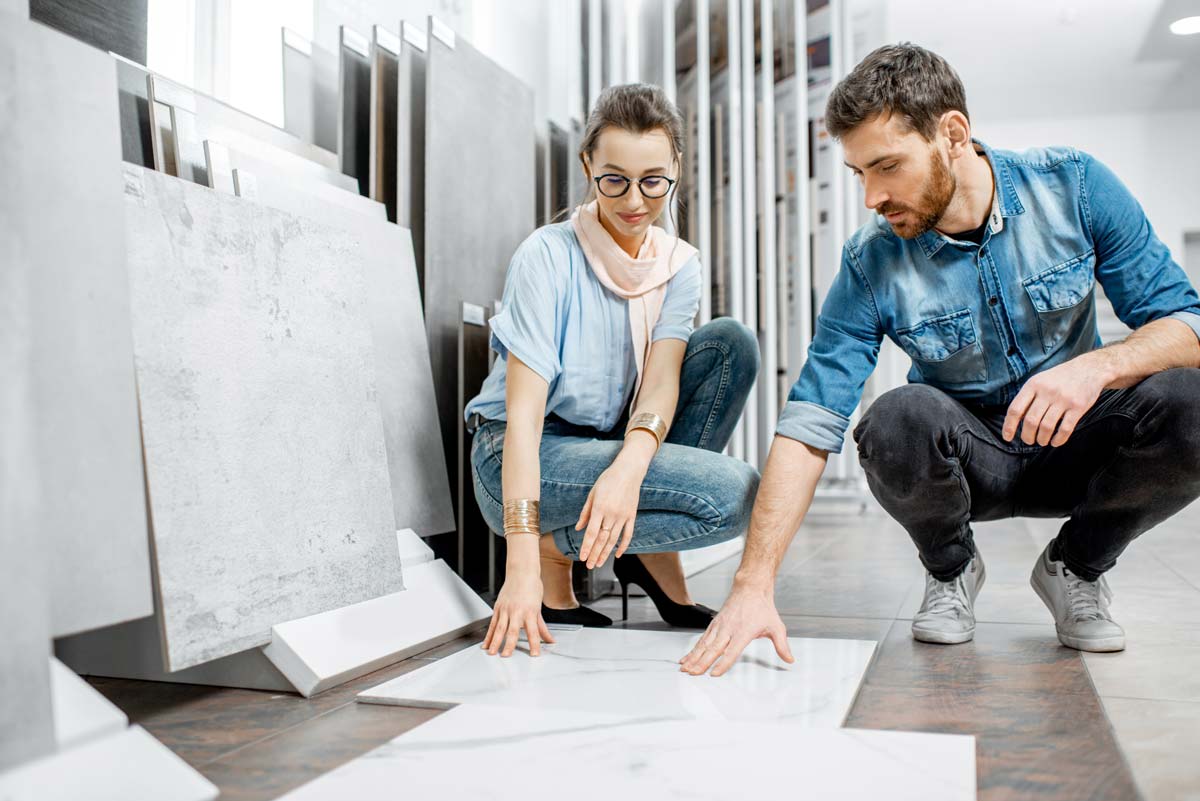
(902,79)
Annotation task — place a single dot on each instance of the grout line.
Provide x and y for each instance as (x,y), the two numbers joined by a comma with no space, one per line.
(1112,730)
(1189,702)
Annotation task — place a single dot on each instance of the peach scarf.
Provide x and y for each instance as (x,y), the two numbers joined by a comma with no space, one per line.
(642,280)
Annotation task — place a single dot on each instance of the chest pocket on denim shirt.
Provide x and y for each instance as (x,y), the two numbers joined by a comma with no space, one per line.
(946,349)
(1059,296)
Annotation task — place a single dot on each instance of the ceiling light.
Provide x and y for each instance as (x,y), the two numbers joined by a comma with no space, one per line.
(1186,26)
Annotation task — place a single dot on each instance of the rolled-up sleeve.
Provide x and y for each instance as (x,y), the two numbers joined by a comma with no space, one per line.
(529,318)
(677,319)
(841,358)
(1133,265)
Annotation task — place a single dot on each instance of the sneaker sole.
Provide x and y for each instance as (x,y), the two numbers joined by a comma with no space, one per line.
(952,638)
(1102,645)
(942,637)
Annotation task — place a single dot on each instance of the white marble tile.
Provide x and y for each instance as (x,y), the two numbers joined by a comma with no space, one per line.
(264,446)
(552,754)
(636,674)
(81,713)
(120,767)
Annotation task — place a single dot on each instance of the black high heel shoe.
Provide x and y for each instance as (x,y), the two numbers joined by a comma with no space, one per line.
(630,570)
(579,616)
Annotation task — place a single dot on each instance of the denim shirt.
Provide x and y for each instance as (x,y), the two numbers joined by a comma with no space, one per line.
(572,331)
(979,320)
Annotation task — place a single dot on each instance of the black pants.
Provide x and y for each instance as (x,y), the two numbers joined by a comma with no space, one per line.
(936,465)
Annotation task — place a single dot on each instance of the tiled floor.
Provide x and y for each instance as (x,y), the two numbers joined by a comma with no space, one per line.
(1049,724)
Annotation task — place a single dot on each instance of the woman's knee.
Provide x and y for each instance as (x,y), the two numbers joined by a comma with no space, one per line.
(736,343)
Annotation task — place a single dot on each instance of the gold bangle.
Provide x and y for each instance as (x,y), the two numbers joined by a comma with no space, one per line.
(521,517)
(649,421)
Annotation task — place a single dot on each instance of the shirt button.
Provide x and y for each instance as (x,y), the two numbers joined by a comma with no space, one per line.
(993,301)
(1012,351)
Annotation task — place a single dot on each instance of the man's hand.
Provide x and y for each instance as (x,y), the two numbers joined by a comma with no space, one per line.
(1057,399)
(748,614)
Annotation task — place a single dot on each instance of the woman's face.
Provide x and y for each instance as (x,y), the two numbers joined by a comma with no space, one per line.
(632,156)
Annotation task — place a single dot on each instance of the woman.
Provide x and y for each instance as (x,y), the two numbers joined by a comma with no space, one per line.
(597,311)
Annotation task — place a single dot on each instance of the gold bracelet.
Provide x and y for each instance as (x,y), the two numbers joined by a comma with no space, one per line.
(649,421)
(522,517)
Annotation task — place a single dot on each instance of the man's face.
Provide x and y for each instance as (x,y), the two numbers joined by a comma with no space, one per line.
(906,178)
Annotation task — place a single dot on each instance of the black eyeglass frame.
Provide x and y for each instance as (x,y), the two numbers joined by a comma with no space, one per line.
(629,182)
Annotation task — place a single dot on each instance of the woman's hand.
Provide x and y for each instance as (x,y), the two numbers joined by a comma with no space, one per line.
(611,507)
(519,606)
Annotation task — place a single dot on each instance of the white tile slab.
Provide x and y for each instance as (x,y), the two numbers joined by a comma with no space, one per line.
(81,713)
(416,464)
(87,438)
(552,754)
(331,648)
(636,674)
(264,446)
(121,767)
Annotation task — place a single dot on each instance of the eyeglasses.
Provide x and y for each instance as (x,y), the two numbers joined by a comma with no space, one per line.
(651,187)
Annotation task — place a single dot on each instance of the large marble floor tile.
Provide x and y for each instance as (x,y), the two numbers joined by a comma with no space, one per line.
(636,674)
(647,758)
(264,445)
(1160,739)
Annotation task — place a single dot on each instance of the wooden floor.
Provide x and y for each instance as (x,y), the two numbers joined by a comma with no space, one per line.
(1043,730)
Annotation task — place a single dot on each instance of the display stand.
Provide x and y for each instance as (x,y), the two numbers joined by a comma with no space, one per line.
(308,655)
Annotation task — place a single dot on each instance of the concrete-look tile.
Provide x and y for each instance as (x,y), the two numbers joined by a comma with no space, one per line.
(1045,745)
(274,765)
(1157,663)
(1160,739)
(1001,658)
(837,628)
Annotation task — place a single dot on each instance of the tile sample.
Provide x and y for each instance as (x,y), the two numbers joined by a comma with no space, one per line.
(137,146)
(385,52)
(648,758)
(104,770)
(309,91)
(27,731)
(117,25)
(410,138)
(419,481)
(88,439)
(80,713)
(635,674)
(264,447)
(354,107)
(479,142)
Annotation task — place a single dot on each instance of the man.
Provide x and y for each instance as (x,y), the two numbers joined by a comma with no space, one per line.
(981,264)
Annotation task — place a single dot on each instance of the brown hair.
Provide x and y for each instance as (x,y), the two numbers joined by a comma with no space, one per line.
(901,79)
(637,108)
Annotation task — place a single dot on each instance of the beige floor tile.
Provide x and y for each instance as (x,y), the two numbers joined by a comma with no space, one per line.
(1160,739)
(1158,664)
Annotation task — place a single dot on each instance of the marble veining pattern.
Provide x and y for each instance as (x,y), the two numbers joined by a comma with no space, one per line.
(263,440)
(544,754)
(636,674)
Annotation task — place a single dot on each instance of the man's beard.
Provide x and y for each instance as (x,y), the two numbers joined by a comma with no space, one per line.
(935,199)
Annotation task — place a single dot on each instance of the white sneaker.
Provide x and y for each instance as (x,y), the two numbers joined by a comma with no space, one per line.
(947,614)
(1080,608)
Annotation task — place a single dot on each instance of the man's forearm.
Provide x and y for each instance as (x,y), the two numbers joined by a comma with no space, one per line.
(1156,346)
(786,491)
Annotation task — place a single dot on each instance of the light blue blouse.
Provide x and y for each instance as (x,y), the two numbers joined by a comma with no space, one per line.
(567,327)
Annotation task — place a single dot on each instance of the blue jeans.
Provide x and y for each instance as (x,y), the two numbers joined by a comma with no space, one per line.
(692,495)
